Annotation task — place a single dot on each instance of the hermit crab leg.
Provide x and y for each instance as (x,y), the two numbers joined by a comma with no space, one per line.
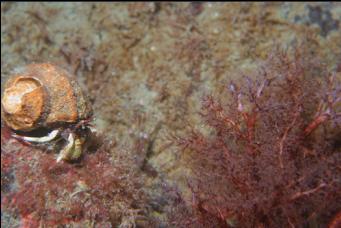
(92,129)
(52,135)
(65,152)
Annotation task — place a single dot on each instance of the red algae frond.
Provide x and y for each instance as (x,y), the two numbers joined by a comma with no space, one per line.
(272,156)
(94,191)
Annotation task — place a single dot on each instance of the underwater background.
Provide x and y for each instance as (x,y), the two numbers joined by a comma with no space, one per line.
(146,68)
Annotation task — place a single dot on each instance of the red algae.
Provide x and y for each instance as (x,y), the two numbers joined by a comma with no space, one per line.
(273,153)
(42,191)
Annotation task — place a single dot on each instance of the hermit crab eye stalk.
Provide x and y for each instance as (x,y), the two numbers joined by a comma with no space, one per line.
(46,96)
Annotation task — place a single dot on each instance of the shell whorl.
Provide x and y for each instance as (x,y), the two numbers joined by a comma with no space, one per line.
(43,95)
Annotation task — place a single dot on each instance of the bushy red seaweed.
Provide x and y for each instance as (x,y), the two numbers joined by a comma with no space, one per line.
(272,155)
(98,190)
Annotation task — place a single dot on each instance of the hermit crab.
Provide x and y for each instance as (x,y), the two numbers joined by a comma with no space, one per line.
(44,105)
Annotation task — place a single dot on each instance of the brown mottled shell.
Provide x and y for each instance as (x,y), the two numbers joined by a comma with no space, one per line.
(43,95)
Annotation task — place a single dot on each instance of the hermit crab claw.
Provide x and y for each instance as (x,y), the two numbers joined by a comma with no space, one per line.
(64,153)
(72,150)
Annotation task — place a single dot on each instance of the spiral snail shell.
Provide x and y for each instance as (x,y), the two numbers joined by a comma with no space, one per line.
(43,95)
